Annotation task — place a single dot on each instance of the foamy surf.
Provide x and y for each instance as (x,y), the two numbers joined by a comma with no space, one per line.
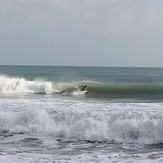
(20,85)
(86,129)
(116,123)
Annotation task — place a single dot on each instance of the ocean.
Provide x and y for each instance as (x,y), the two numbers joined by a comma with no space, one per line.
(46,118)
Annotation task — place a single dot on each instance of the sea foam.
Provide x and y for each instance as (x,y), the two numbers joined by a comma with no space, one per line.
(68,121)
(21,85)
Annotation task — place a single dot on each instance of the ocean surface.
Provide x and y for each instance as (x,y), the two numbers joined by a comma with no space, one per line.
(45,117)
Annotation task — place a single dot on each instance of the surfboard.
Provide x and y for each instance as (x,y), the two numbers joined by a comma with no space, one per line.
(85,91)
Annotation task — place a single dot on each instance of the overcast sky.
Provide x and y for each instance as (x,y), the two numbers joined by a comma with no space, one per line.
(82,32)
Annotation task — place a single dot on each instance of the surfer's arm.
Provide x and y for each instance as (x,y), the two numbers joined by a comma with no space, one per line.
(83,87)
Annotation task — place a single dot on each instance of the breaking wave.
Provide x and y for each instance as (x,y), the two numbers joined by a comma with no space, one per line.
(95,90)
(75,126)
(15,85)
(20,85)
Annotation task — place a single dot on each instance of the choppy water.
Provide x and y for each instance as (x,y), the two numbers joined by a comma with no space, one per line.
(45,117)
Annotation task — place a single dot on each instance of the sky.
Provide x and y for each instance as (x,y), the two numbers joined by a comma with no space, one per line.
(127,33)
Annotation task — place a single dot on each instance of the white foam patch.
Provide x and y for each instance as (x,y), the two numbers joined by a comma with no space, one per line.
(77,120)
(20,85)
(15,85)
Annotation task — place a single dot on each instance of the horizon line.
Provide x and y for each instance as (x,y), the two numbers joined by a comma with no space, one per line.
(80,66)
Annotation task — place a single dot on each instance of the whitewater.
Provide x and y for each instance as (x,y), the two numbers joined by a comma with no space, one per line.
(45,117)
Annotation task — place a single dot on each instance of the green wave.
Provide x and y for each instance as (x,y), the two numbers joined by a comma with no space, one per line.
(100,90)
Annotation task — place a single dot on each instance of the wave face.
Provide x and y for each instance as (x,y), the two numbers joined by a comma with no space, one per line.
(109,91)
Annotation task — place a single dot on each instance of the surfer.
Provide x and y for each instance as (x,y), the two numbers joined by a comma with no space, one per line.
(84,88)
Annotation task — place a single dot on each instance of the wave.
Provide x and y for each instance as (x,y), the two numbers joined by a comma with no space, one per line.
(109,91)
(18,85)
(77,126)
